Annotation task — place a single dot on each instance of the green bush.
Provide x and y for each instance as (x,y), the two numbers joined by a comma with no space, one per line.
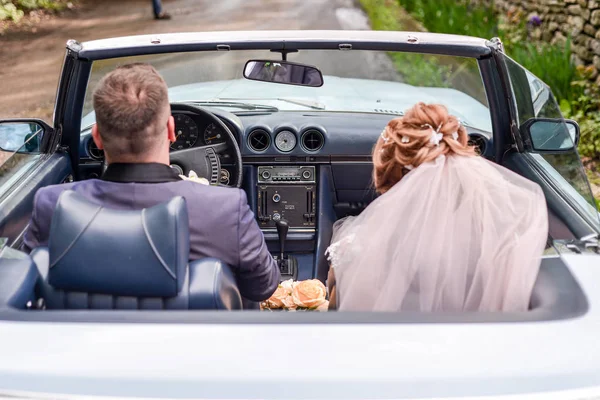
(585,109)
(9,11)
(14,10)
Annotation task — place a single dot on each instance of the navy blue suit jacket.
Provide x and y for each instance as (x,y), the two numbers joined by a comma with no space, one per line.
(220,221)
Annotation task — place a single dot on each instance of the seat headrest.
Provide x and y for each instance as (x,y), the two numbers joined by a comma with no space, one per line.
(118,252)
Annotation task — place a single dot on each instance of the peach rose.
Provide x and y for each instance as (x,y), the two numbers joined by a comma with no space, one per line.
(324,306)
(277,298)
(289,304)
(309,294)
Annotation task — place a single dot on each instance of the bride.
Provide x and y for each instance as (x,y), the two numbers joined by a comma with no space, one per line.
(451,231)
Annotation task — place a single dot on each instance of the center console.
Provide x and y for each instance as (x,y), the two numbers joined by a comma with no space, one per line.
(287,203)
(287,193)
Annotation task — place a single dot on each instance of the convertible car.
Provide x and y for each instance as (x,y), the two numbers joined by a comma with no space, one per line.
(291,118)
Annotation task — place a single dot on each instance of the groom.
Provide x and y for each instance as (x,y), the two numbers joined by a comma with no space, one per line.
(134,126)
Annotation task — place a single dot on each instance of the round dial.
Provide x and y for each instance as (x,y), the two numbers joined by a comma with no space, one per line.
(213,134)
(224,178)
(186,132)
(285,141)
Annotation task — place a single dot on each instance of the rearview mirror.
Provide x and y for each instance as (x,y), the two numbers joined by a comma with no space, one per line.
(22,135)
(552,135)
(283,72)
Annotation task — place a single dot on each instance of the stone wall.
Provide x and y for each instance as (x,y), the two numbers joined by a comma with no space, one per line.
(579,19)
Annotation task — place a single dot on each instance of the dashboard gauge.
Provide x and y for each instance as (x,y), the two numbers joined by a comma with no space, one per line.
(224,179)
(186,132)
(285,141)
(213,134)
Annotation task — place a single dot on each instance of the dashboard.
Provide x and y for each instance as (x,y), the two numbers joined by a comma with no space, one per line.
(283,136)
(309,168)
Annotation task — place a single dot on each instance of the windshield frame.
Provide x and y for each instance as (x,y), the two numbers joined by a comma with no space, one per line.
(472,51)
(283,41)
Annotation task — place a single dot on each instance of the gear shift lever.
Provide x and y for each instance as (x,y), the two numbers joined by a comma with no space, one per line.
(282,231)
(287,266)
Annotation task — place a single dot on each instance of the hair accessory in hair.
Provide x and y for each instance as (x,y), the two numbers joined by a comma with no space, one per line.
(436,136)
(384,137)
(405,139)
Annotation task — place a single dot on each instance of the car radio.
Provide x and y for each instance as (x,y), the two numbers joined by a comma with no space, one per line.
(287,192)
(301,175)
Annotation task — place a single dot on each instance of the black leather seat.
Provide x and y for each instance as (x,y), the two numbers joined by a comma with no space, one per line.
(99,258)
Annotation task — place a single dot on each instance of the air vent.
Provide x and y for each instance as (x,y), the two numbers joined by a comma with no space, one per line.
(312,140)
(479,142)
(259,140)
(94,152)
(382,111)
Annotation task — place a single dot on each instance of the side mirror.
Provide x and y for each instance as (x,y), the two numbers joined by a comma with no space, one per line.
(552,135)
(23,135)
(283,72)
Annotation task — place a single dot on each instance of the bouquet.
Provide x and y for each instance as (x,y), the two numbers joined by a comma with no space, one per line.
(309,295)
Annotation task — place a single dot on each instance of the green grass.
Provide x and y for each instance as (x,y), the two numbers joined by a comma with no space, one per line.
(420,69)
(549,62)
(416,69)
(386,15)
(455,16)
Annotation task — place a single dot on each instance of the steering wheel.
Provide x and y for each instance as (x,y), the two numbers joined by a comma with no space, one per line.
(204,160)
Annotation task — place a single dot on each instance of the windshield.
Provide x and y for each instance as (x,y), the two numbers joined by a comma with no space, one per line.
(354,81)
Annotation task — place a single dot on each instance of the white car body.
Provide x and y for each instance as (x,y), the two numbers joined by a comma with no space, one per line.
(260,355)
(316,360)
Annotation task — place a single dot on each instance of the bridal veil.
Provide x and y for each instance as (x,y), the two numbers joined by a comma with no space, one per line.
(457,233)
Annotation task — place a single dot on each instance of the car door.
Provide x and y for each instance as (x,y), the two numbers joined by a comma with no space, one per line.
(30,158)
(549,144)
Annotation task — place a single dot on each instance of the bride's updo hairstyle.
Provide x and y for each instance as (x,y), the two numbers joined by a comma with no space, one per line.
(421,135)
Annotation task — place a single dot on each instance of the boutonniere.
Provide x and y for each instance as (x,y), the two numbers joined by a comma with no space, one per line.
(192,176)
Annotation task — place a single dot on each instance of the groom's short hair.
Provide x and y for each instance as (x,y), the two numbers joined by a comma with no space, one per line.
(132,108)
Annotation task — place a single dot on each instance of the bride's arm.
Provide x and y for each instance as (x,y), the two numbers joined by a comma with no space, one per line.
(332,289)
(342,237)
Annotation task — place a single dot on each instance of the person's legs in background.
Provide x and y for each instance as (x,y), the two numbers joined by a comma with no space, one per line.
(158,12)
